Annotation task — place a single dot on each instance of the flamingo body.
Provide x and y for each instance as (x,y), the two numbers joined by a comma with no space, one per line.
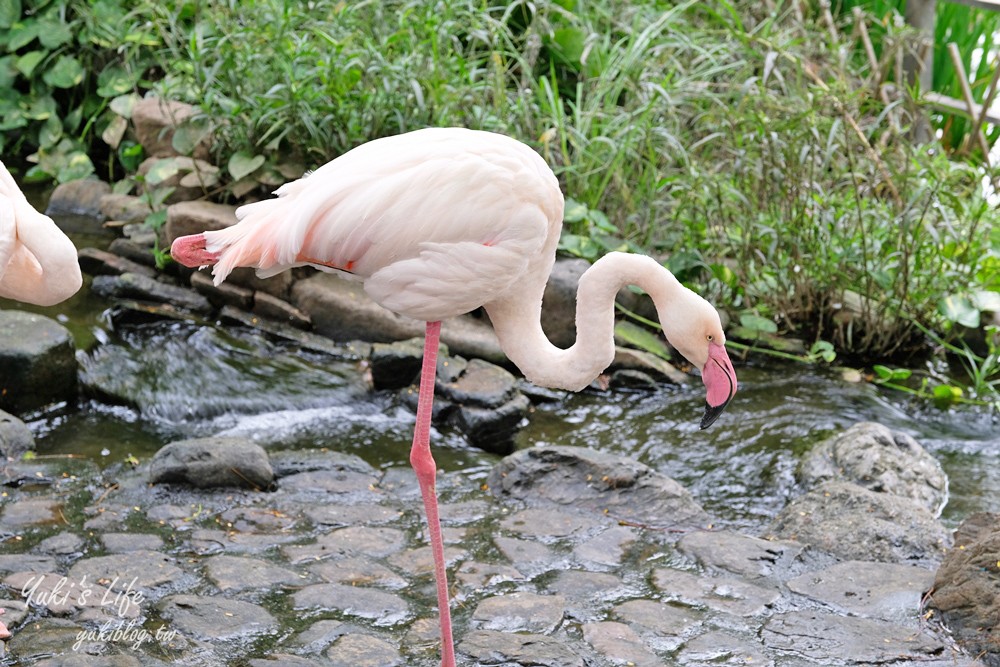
(438,222)
(38,262)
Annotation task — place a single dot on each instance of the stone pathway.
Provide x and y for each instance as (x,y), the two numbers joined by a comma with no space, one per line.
(331,568)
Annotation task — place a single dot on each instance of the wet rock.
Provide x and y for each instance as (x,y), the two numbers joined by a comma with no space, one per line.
(15,437)
(878,590)
(347,483)
(121,543)
(204,541)
(136,252)
(966,590)
(491,646)
(420,561)
(660,370)
(719,648)
(380,607)
(475,576)
(351,350)
(493,429)
(278,286)
(750,557)
(63,595)
(397,365)
(663,624)
(271,307)
(234,573)
(63,544)
(819,635)
(480,384)
(726,594)
(360,650)
(607,548)
(80,197)
(358,571)
(26,563)
(559,301)
(38,361)
(351,541)
(30,512)
(854,523)
(349,515)
(321,634)
(520,612)
(550,525)
(156,119)
(103,263)
(225,294)
(285,660)
(195,217)
(48,637)
(620,644)
(531,557)
(208,462)
(632,379)
(341,310)
(133,571)
(872,456)
(217,618)
(137,286)
(602,483)
(124,208)
(585,591)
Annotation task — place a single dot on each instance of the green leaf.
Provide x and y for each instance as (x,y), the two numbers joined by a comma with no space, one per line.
(76,166)
(10,11)
(123,105)
(823,350)
(642,338)
(53,34)
(192,132)
(8,72)
(27,63)
(66,73)
(114,81)
(883,372)
(986,300)
(162,170)
(568,45)
(115,131)
(50,133)
(580,246)
(959,309)
(946,394)
(574,211)
(130,154)
(242,164)
(21,35)
(758,323)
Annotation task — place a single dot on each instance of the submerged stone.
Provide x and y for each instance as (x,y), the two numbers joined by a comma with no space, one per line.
(492,646)
(362,650)
(217,618)
(601,483)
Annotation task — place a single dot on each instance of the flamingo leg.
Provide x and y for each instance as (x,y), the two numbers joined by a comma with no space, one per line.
(423,464)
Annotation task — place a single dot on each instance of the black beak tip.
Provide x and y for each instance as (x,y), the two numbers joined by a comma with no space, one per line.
(711,414)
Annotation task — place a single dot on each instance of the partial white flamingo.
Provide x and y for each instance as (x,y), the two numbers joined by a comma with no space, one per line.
(436,223)
(38,262)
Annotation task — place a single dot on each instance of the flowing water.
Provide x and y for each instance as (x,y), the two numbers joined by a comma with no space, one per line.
(170,380)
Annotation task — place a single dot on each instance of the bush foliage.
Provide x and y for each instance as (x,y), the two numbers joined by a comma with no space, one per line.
(754,152)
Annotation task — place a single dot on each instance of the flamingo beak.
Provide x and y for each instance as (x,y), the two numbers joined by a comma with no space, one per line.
(720,383)
(190,251)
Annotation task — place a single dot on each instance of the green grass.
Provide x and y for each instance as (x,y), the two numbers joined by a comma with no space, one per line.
(741,147)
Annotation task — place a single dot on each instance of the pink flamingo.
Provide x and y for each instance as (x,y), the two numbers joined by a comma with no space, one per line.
(38,263)
(436,223)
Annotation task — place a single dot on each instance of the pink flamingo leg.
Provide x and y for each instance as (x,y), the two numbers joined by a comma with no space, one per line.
(423,464)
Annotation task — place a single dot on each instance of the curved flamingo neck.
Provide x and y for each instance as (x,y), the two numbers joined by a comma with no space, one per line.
(517,320)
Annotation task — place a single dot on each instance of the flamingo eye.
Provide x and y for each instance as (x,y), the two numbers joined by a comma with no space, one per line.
(709,337)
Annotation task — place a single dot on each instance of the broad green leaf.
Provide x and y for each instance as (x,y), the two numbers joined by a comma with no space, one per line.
(161,170)
(574,211)
(8,72)
(601,222)
(41,108)
(758,323)
(242,164)
(130,154)
(192,132)
(22,34)
(985,300)
(123,104)
(883,372)
(114,81)
(568,45)
(580,246)
(50,133)
(53,34)
(946,394)
(725,275)
(959,309)
(27,63)
(76,166)
(10,11)
(115,131)
(642,338)
(65,73)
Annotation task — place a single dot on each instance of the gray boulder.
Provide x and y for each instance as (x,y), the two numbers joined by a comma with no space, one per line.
(853,523)
(872,456)
(37,362)
(210,462)
(15,437)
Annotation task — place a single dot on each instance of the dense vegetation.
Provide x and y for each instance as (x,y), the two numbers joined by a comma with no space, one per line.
(753,151)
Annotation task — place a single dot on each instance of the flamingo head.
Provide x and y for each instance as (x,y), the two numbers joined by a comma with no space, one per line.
(694,330)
